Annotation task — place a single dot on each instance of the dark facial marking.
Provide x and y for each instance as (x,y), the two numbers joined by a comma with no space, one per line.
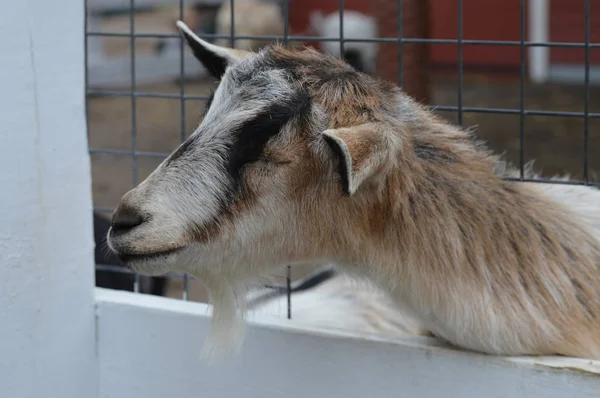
(248,145)
(215,64)
(252,136)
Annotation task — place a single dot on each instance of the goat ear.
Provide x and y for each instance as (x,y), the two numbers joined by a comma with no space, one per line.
(362,151)
(214,58)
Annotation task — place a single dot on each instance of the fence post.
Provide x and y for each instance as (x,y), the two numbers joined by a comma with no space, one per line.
(47,323)
(538,12)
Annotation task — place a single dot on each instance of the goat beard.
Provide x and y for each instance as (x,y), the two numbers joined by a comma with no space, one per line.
(228,320)
(229,308)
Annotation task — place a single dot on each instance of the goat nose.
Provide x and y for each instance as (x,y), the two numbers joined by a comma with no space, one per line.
(126,218)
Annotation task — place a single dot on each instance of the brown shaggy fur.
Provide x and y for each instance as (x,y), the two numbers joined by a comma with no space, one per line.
(455,229)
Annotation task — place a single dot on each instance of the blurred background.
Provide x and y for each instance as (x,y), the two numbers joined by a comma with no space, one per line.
(473,61)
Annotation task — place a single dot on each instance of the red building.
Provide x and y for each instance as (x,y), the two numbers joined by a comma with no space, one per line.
(496,20)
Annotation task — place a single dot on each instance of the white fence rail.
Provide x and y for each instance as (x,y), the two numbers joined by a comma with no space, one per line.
(60,337)
(150,347)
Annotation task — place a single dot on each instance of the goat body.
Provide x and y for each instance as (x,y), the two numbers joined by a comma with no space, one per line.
(301,158)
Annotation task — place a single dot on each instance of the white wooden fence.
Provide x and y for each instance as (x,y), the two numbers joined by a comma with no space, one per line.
(61,337)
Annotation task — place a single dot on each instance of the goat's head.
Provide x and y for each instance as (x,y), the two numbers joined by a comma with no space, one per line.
(290,145)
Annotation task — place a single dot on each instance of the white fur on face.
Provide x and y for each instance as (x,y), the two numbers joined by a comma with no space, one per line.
(194,187)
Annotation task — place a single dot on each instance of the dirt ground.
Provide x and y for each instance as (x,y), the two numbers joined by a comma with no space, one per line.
(556,143)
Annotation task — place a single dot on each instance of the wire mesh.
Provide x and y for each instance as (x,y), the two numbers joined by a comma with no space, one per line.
(400,20)
(459,47)
(586,120)
(522,95)
(460,108)
(136,284)
(182,119)
(288,274)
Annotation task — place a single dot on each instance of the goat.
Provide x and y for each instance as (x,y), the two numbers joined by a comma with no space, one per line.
(361,55)
(300,158)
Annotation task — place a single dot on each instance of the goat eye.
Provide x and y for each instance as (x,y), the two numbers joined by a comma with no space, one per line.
(274,159)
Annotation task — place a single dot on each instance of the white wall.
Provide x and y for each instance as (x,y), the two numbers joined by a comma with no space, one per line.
(150,347)
(47,329)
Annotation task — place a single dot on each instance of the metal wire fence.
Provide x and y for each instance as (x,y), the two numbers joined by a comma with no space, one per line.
(460,109)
